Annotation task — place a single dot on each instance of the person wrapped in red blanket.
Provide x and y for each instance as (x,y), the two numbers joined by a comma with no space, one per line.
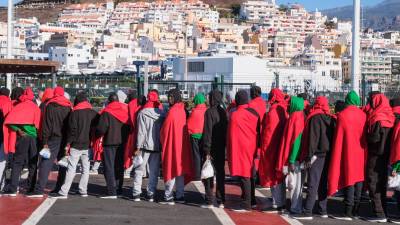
(347,164)
(243,141)
(20,133)
(176,153)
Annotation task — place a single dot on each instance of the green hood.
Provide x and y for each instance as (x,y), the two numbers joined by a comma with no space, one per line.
(296,104)
(199,99)
(352,98)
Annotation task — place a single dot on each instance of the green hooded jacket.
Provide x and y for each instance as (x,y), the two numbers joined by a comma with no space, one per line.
(296,105)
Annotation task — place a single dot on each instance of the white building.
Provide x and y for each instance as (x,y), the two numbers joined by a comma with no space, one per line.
(257,10)
(71,58)
(235,69)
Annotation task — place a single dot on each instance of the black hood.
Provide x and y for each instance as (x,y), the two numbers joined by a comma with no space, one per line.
(215,98)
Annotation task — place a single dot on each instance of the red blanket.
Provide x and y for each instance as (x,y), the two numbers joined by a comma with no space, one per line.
(242,141)
(395,146)
(176,152)
(19,116)
(5,105)
(82,105)
(321,106)
(130,147)
(120,112)
(274,125)
(260,106)
(196,119)
(294,127)
(347,164)
(381,112)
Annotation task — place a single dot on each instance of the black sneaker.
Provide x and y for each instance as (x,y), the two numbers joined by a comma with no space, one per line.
(9,193)
(302,216)
(167,201)
(35,194)
(150,198)
(57,196)
(180,200)
(376,219)
(136,198)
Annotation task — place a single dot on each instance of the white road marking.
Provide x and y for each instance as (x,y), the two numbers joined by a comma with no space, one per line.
(38,214)
(222,216)
(285,217)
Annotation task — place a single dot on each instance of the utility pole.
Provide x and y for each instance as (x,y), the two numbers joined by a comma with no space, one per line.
(186,59)
(356,64)
(9,39)
(146,77)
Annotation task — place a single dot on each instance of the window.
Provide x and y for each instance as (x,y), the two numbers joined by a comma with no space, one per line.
(323,73)
(196,67)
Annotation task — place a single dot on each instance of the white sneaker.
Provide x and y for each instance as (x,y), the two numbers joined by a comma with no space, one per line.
(241,210)
(207,206)
(93,172)
(221,206)
(109,197)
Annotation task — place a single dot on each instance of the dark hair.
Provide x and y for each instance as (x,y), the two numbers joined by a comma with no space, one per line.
(241,97)
(16,93)
(255,91)
(395,102)
(132,94)
(339,106)
(176,94)
(142,100)
(304,96)
(80,97)
(113,97)
(4,91)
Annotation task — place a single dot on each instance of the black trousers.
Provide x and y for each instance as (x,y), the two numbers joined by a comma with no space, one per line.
(377,178)
(197,156)
(397,194)
(25,153)
(316,186)
(248,190)
(46,165)
(113,168)
(219,168)
(352,197)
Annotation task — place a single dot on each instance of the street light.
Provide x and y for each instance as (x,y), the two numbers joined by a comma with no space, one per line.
(9,39)
(355,68)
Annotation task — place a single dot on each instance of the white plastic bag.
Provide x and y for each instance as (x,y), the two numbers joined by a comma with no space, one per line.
(394,182)
(45,153)
(208,170)
(137,161)
(63,162)
(290,181)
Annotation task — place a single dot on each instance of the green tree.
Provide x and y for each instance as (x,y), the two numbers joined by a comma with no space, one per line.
(283,8)
(235,8)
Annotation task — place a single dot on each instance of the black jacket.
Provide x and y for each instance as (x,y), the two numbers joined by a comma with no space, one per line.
(379,140)
(55,122)
(321,129)
(112,129)
(215,128)
(80,127)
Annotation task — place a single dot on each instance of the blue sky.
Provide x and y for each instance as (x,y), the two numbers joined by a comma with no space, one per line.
(309,4)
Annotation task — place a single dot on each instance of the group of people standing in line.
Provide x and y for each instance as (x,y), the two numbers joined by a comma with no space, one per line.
(283,143)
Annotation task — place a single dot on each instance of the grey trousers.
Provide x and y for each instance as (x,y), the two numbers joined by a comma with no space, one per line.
(296,195)
(3,163)
(74,156)
(278,195)
(180,187)
(152,160)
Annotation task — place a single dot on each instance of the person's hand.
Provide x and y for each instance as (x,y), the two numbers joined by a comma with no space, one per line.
(137,152)
(21,133)
(307,164)
(394,173)
(67,147)
(45,146)
(292,167)
(208,157)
